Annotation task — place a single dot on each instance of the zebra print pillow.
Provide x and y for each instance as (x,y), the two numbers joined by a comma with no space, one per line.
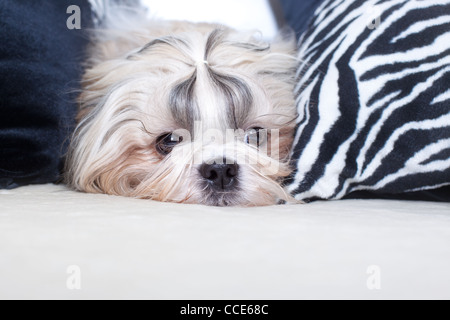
(374,99)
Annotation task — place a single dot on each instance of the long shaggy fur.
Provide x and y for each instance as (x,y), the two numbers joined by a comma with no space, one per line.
(147,78)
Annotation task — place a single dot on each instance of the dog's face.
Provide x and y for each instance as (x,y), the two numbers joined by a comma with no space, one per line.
(202,116)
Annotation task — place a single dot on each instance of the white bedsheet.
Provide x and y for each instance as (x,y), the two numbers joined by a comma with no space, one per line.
(130,248)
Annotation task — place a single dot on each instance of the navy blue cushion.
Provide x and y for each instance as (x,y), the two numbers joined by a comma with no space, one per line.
(298,13)
(40,70)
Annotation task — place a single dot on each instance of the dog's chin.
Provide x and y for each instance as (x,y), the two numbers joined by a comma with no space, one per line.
(236,199)
(230,199)
(243,195)
(215,198)
(225,199)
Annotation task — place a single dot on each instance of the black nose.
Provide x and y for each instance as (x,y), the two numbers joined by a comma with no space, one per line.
(222,176)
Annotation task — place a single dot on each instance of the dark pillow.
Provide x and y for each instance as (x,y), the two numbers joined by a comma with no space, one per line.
(297,14)
(374,101)
(40,71)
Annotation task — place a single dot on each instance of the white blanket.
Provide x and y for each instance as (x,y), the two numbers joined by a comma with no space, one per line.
(128,248)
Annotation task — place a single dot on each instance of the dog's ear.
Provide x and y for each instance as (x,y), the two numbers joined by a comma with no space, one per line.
(282,57)
(124,26)
(248,51)
(121,26)
(95,84)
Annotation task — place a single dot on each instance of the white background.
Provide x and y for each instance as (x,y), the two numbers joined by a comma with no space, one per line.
(240,14)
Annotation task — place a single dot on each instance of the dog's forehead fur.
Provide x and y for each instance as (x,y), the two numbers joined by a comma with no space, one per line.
(229,108)
(209,61)
(188,62)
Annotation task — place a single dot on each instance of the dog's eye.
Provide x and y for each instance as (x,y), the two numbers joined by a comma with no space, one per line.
(256,137)
(166,142)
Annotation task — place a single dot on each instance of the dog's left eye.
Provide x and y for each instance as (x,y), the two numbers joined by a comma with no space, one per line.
(256,137)
(167,142)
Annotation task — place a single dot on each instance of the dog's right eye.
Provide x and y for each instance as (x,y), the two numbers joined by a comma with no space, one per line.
(256,137)
(166,142)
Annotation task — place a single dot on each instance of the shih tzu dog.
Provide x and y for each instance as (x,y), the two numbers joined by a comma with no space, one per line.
(186,113)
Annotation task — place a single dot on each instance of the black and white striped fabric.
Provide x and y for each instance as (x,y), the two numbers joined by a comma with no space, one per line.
(374,99)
